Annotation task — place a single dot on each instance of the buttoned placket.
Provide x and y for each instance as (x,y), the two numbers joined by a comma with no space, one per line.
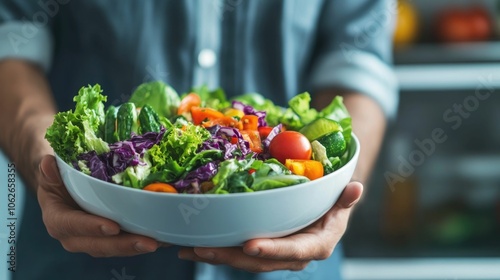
(207,48)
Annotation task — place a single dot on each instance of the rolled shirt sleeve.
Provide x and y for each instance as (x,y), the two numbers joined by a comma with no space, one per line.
(355,50)
(25,33)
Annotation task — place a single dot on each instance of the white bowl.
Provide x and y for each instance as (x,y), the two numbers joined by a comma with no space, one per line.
(210,220)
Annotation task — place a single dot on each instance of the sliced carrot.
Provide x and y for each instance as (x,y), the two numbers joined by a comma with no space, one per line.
(160,187)
(188,102)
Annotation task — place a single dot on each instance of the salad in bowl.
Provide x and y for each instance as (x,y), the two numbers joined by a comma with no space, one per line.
(198,169)
(201,142)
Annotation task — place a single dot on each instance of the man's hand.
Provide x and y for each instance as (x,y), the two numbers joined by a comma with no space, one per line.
(77,230)
(292,252)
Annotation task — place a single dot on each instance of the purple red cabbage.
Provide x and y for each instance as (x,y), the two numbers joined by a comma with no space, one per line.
(192,181)
(222,140)
(96,164)
(265,154)
(122,154)
(249,110)
(145,141)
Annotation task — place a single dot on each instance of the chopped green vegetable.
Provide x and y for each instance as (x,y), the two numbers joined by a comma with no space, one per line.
(334,143)
(240,182)
(126,121)
(92,142)
(132,176)
(110,134)
(226,168)
(177,152)
(90,103)
(300,105)
(234,176)
(277,181)
(320,127)
(337,111)
(330,164)
(149,120)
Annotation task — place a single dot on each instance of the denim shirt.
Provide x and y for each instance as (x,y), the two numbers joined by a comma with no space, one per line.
(277,48)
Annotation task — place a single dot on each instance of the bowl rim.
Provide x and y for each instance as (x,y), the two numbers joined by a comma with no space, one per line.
(352,161)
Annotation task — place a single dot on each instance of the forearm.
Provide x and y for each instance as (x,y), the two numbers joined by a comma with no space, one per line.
(369,124)
(26,109)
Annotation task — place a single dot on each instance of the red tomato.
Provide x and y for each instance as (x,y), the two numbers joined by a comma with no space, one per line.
(290,145)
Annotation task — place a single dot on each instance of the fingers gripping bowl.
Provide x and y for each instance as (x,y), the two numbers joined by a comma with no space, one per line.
(201,170)
(209,220)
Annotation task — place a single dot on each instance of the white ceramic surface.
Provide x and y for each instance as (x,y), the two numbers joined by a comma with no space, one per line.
(209,220)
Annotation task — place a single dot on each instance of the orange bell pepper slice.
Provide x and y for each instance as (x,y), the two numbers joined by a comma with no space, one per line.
(201,115)
(224,121)
(250,122)
(311,169)
(253,138)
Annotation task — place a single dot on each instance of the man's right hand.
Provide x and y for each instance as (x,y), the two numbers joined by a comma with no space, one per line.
(77,230)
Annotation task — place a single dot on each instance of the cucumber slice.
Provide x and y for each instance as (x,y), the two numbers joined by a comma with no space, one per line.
(320,127)
(334,144)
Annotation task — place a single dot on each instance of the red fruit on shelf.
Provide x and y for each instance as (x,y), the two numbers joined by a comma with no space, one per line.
(454,25)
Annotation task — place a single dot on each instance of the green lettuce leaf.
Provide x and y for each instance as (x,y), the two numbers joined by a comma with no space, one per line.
(90,103)
(73,133)
(240,182)
(234,176)
(176,153)
(337,111)
(92,142)
(300,105)
(277,181)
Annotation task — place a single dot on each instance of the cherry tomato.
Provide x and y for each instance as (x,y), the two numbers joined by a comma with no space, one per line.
(290,145)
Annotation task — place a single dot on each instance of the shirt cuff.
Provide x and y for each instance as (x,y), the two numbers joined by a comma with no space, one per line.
(26,41)
(359,72)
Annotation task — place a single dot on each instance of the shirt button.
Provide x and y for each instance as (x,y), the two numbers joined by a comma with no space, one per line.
(207,58)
